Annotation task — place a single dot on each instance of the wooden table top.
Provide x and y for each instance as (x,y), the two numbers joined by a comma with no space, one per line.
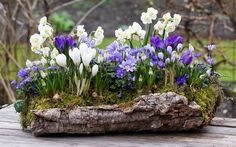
(221,133)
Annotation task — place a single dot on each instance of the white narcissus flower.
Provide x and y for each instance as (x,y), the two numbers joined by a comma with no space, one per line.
(166,16)
(94,70)
(81,67)
(75,55)
(141,34)
(81,31)
(61,60)
(43,21)
(145,18)
(99,35)
(36,40)
(135,28)
(86,58)
(46,31)
(176,19)
(28,63)
(43,61)
(52,62)
(46,51)
(119,35)
(170,27)
(159,26)
(54,53)
(152,13)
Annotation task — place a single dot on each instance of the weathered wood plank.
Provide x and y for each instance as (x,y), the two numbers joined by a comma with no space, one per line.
(224,122)
(221,133)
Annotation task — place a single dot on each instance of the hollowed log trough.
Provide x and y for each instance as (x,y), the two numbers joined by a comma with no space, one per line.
(153,112)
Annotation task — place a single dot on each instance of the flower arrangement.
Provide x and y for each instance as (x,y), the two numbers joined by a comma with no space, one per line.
(73,70)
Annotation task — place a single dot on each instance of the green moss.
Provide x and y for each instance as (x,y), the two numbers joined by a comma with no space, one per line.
(207,98)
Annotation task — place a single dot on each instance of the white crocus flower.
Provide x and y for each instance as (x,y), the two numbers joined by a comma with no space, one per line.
(152,13)
(36,40)
(75,55)
(61,60)
(28,63)
(54,53)
(145,18)
(170,27)
(43,61)
(159,26)
(166,16)
(94,70)
(83,48)
(81,31)
(176,19)
(190,47)
(86,58)
(81,67)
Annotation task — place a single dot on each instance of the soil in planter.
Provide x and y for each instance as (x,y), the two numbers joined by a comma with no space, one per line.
(208,98)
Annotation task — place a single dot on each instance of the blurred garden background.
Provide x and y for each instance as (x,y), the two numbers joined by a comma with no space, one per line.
(203,22)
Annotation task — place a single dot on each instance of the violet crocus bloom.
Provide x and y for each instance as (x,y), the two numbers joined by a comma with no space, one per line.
(70,41)
(154,59)
(120,73)
(157,42)
(23,73)
(115,57)
(173,41)
(24,83)
(197,55)
(181,80)
(59,42)
(187,57)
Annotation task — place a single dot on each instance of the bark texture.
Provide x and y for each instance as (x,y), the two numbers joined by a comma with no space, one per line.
(154,112)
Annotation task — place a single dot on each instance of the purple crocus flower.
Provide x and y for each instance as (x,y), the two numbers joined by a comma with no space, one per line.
(70,41)
(187,57)
(181,80)
(52,68)
(23,73)
(157,42)
(120,73)
(113,47)
(59,42)
(173,41)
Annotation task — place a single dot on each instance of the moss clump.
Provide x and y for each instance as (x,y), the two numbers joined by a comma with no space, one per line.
(207,98)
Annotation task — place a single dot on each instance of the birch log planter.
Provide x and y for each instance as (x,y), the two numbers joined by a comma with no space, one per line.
(153,112)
